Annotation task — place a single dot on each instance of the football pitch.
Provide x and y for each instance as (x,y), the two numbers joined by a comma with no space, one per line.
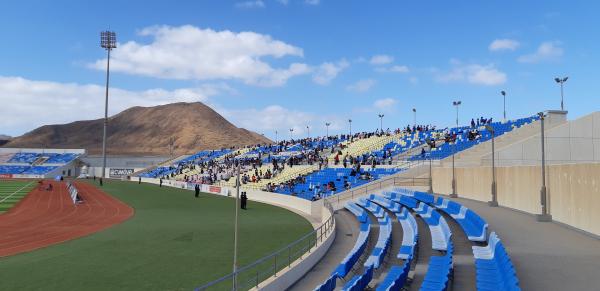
(12,191)
(173,242)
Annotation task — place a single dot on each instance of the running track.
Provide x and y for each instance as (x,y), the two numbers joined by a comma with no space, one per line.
(45,218)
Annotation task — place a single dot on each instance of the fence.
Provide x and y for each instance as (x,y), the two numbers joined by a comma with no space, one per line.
(72,192)
(252,275)
(376,185)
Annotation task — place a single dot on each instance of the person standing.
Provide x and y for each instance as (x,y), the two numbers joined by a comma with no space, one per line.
(197,189)
(244,200)
(101,182)
(140,180)
(160,182)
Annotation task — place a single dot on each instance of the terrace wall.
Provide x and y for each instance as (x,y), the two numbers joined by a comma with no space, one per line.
(573,190)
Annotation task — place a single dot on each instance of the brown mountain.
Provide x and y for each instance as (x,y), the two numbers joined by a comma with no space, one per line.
(145,131)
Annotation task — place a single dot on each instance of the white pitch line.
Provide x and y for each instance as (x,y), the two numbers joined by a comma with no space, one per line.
(13,193)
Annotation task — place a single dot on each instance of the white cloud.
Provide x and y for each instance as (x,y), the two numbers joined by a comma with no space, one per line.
(393,69)
(28,104)
(381,60)
(385,104)
(361,86)
(250,4)
(413,80)
(275,117)
(504,44)
(188,52)
(312,2)
(326,72)
(477,74)
(547,51)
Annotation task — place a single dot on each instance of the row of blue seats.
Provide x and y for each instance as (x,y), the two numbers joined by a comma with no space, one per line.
(408,222)
(52,158)
(6,169)
(462,141)
(318,181)
(360,282)
(384,239)
(397,275)
(199,157)
(26,170)
(439,272)
(24,158)
(494,269)
(39,170)
(158,172)
(440,231)
(361,243)
(472,224)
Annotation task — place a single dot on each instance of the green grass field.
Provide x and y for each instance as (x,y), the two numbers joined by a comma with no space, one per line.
(12,191)
(173,242)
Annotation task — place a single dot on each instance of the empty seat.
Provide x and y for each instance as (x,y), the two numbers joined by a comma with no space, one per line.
(439,271)
(472,224)
(360,282)
(494,268)
(396,277)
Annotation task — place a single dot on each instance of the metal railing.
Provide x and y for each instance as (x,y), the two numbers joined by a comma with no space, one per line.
(376,185)
(254,274)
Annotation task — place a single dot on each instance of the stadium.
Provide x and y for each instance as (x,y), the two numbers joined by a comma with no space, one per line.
(170,189)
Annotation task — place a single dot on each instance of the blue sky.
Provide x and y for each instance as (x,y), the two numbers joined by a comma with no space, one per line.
(271,65)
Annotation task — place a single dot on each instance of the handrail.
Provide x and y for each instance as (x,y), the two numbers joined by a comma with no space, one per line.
(254,273)
(376,185)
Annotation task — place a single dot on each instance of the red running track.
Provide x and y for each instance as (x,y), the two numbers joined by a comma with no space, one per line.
(45,218)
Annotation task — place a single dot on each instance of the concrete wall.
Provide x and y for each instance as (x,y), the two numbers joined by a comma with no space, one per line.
(576,141)
(573,190)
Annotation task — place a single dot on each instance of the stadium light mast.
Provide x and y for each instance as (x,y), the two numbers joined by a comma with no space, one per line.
(454,195)
(307,131)
(350,123)
(414,110)
(430,167)
(235,231)
(544,217)
(561,81)
(108,41)
(494,201)
(327,124)
(291,133)
(504,100)
(381,121)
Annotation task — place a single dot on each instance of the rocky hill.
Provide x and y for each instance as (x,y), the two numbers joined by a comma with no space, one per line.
(145,131)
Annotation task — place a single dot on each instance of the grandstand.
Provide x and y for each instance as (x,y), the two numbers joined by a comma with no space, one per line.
(38,163)
(402,237)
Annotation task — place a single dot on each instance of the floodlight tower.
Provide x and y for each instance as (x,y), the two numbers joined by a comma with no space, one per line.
(327,124)
(561,81)
(504,98)
(350,123)
(414,110)
(108,41)
(454,194)
(381,121)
